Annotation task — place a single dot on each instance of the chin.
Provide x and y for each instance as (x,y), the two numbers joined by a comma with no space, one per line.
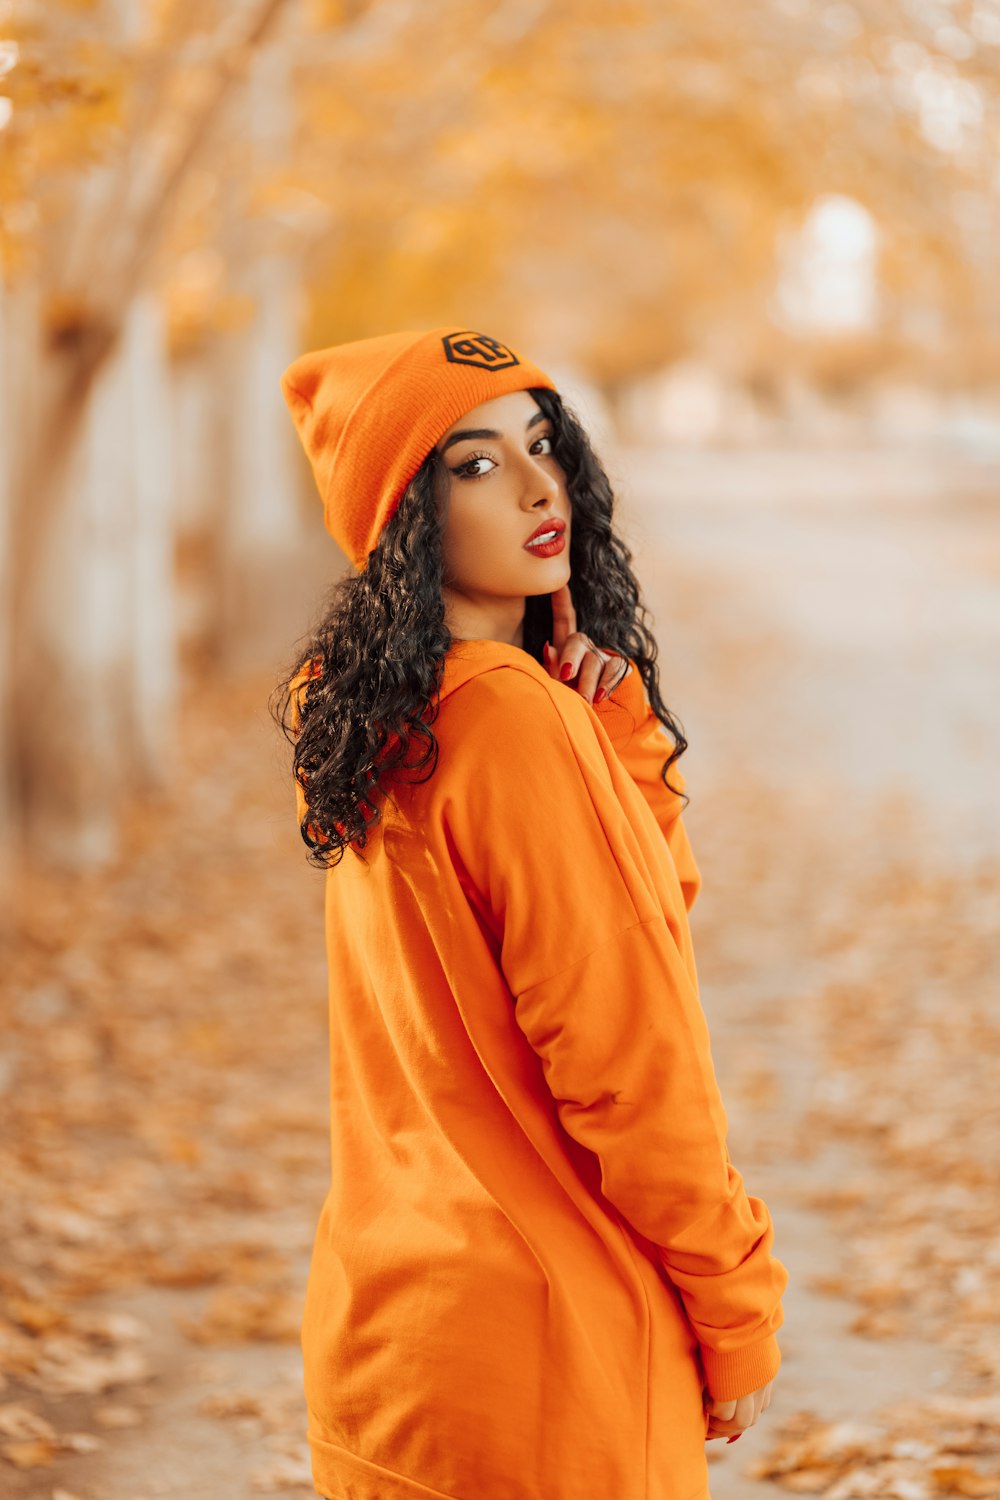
(547,580)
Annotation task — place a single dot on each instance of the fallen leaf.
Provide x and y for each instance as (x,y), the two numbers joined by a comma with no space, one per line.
(33,1453)
(18,1420)
(963,1480)
(117,1416)
(36,1316)
(283,1474)
(81,1442)
(79,1372)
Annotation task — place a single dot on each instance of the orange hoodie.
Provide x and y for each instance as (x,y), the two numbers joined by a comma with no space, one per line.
(535,1250)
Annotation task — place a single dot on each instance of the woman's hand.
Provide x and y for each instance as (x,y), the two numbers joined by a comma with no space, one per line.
(729,1418)
(574,659)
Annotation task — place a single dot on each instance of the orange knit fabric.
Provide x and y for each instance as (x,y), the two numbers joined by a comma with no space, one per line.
(354,404)
(535,1249)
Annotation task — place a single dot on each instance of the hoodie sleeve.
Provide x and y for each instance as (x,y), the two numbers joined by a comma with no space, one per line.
(643,744)
(571,874)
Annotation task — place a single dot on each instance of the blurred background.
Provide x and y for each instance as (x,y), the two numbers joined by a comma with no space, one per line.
(756,245)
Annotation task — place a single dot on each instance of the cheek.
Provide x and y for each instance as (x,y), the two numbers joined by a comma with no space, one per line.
(479,537)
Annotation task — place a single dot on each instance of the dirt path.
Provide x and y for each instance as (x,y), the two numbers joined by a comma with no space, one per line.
(165,1070)
(834,662)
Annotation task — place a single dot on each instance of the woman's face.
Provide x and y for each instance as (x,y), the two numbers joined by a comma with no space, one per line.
(500,484)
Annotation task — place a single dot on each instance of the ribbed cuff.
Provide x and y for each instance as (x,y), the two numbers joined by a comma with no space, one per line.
(741,1371)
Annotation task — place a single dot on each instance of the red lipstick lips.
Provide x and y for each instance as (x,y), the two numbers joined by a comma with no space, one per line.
(553,545)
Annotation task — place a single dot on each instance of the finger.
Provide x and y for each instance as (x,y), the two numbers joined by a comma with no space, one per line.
(589,676)
(550,659)
(572,656)
(722,1411)
(726,1425)
(723,1432)
(746,1410)
(563,617)
(614,674)
(566,665)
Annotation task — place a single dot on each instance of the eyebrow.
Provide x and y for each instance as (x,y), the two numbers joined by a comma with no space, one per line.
(487,432)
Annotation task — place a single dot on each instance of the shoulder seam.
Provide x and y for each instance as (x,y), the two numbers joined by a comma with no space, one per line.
(499,666)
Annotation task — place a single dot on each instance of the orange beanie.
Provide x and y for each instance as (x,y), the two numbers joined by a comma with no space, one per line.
(368,414)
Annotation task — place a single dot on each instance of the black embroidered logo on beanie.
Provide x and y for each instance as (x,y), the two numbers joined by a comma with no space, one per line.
(468,348)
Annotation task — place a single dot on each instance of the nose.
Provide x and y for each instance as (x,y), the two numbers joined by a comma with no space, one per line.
(541,487)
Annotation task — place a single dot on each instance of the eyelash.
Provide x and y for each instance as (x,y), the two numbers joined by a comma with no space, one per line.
(472,458)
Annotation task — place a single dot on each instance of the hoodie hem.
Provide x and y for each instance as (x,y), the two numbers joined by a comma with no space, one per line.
(339,1474)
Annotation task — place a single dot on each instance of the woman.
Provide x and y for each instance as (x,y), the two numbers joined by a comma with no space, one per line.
(537,1275)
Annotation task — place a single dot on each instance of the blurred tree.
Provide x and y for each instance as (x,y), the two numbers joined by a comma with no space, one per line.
(606,184)
(614,179)
(113,129)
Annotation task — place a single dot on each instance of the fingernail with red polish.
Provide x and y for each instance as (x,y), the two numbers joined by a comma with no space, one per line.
(567,671)
(545,651)
(734,1437)
(598,695)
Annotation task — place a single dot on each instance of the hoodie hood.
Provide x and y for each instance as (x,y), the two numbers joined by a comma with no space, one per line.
(619,715)
(467,659)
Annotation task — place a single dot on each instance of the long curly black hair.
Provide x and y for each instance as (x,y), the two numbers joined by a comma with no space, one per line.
(360,694)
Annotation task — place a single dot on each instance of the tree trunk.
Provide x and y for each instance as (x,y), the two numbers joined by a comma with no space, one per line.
(96,676)
(150,563)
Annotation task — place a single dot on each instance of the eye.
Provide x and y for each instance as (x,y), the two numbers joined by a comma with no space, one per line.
(547,438)
(469,469)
